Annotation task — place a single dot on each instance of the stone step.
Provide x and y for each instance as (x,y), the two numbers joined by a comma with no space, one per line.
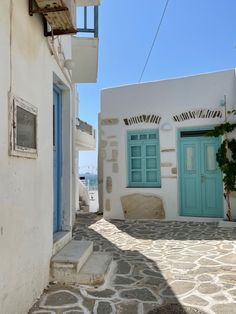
(84,208)
(81,203)
(76,263)
(70,260)
(60,239)
(95,269)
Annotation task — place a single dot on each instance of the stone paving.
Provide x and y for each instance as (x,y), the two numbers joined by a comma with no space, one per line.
(159,267)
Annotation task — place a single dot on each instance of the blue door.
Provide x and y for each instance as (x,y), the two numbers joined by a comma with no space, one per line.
(56,159)
(200,178)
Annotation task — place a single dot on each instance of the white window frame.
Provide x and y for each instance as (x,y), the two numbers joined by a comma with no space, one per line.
(14,149)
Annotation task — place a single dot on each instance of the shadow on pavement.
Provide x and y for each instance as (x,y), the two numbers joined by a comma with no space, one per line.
(137,279)
(175,230)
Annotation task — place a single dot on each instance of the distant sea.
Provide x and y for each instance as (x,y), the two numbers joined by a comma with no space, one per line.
(90,180)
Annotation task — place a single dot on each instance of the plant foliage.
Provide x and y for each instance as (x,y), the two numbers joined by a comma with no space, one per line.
(226,158)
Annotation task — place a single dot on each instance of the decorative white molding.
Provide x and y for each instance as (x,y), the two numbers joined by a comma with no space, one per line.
(198,114)
(150,118)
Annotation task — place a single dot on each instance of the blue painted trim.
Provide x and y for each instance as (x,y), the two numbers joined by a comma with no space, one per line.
(57,158)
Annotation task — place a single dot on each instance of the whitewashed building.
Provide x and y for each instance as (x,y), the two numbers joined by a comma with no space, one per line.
(154,160)
(40,63)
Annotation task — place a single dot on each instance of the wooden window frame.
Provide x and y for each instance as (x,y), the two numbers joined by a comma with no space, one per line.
(143,144)
(14,149)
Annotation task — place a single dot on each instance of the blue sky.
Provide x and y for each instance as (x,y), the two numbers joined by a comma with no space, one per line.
(196,36)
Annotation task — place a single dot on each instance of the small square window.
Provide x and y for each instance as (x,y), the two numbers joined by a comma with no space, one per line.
(23,128)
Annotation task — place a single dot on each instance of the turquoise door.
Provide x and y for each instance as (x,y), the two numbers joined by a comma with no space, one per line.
(200,178)
(56,159)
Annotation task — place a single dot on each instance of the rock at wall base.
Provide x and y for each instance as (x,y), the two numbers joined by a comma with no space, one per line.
(142,206)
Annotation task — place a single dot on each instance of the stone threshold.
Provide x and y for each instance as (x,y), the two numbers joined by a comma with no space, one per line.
(227,224)
(196,219)
(179,218)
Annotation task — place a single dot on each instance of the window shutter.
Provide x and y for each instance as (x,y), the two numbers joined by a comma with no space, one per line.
(143,158)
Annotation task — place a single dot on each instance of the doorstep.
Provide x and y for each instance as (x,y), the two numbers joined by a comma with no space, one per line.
(60,239)
(227,224)
(76,263)
(196,219)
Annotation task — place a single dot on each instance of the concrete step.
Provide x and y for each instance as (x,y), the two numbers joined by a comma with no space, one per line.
(60,239)
(76,263)
(67,262)
(84,208)
(95,269)
(81,203)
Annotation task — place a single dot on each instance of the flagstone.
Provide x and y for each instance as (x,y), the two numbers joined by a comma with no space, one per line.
(229,278)
(232,292)
(153,281)
(43,312)
(74,311)
(220,297)
(228,259)
(175,309)
(189,258)
(229,308)
(204,277)
(104,308)
(195,300)
(59,298)
(184,265)
(130,307)
(208,288)
(107,293)
(119,280)
(179,287)
(202,248)
(123,267)
(207,261)
(154,267)
(142,294)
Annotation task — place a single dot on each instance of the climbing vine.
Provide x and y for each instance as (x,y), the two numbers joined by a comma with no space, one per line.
(226,157)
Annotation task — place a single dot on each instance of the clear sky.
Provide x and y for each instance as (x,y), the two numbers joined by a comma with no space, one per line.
(196,36)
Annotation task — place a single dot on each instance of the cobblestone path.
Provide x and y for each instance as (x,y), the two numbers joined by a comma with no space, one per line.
(159,267)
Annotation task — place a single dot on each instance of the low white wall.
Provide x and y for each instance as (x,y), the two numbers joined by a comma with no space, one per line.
(26,185)
(164,98)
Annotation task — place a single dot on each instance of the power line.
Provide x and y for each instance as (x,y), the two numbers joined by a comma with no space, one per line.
(154,40)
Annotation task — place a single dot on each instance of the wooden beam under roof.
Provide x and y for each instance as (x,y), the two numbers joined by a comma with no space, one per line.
(59,14)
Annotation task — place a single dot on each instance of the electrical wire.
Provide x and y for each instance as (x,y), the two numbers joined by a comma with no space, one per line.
(154,40)
(11,26)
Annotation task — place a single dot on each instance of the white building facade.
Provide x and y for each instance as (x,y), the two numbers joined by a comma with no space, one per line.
(154,158)
(38,168)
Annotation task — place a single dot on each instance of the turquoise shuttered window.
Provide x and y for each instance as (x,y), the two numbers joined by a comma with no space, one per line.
(144,158)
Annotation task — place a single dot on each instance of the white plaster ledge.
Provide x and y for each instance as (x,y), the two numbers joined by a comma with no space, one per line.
(197,219)
(227,224)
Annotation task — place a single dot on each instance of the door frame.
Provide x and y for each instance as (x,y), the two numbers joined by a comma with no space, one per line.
(68,175)
(179,130)
(58,138)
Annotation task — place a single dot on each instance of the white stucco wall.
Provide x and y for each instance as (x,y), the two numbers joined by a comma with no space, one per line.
(26,185)
(165,98)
